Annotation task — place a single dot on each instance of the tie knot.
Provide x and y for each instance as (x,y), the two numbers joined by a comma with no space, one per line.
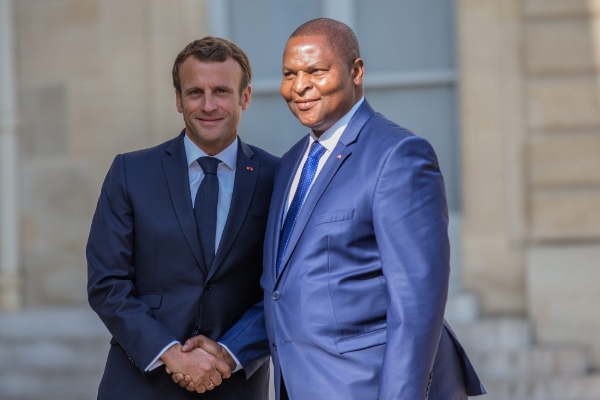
(209,164)
(316,150)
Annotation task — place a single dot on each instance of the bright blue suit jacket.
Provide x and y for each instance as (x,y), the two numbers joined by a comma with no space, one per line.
(357,311)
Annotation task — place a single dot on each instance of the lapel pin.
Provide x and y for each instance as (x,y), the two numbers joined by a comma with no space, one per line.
(250,168)
(339,156)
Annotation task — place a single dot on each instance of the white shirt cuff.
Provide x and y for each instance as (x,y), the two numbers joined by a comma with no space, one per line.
(238,366)
(157,362)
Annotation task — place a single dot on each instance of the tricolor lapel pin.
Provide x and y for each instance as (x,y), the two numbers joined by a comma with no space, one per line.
(339,156)
(250,169)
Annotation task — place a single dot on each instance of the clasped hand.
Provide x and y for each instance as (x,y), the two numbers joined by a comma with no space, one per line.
(199,365)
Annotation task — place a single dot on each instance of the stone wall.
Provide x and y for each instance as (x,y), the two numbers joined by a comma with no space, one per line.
(562,68)
(94,81)
(530,87)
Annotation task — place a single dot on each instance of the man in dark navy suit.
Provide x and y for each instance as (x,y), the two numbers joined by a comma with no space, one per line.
(175,248)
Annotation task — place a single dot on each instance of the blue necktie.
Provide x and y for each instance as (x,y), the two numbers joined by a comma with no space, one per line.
(306,177)
(205,207)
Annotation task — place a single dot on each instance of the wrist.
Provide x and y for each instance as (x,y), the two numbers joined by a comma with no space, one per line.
(228,359)
(171,354)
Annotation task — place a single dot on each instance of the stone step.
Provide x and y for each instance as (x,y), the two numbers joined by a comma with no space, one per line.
(562,388)
(59,323)
(501,333)
(535,362)
(50,384)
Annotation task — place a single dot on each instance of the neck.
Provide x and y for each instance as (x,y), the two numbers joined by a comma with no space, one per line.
(212,149)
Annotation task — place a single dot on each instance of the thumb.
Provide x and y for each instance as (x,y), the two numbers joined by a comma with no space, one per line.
(192,343)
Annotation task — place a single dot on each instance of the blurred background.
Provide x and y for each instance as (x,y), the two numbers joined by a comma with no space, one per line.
(507,91)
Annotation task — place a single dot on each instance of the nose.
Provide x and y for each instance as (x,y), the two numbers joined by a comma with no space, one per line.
(302,83)
(208,104)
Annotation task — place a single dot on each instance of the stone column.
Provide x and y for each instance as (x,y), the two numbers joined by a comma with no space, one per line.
(492,137)
(9,210)
(562,66)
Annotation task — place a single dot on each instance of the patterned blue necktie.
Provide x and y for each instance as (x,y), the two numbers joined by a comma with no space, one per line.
(205,207)
(306,177)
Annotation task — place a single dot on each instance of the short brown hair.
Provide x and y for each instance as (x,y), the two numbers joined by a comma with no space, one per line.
(213,49)
(340,36)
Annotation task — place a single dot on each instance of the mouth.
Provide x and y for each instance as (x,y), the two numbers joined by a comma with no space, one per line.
(305,104)
(209,121)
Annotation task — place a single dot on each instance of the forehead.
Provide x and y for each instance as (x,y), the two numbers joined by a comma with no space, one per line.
(193,72)
(309,49)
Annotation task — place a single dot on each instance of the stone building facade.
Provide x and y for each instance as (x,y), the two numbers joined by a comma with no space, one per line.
(93,80)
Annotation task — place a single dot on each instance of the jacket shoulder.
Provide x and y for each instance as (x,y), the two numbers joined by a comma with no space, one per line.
(150,152)
(264,157)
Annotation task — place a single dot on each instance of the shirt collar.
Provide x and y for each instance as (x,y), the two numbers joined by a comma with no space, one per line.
(331,136)
(228,155)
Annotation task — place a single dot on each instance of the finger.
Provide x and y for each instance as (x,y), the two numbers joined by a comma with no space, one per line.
(192,343)
(167,370)
(177,377)
(190,387)
(200,389)
(185,384)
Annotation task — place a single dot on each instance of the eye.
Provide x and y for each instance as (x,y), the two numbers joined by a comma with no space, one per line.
(318,72)
(289,75)
(194,92)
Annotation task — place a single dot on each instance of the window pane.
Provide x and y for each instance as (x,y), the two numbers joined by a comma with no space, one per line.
(261,28)
(405,35)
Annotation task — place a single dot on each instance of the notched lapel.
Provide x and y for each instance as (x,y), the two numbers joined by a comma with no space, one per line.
(343,149)
(176,170)
(243,189)
(327,173)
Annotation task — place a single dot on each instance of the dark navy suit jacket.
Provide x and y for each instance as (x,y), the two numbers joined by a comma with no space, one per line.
(357,311)
(146,274)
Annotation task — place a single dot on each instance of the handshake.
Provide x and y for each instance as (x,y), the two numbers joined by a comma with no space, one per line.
(199,365)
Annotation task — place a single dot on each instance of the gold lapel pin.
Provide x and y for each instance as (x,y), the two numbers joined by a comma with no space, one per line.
(339,156)
(250,168)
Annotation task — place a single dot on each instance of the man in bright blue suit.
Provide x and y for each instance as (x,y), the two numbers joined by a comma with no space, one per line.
(356,260)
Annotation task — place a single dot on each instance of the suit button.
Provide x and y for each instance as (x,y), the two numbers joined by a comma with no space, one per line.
(196,331)
(208,286)
(274,346)
(276,295)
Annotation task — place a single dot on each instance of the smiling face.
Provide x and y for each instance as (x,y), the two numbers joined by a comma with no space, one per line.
(318,85)
(211,103)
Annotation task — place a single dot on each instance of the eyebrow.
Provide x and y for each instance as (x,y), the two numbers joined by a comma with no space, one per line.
(317,65)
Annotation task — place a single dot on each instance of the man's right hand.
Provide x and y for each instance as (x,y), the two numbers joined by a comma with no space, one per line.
(211,347)
(205,371)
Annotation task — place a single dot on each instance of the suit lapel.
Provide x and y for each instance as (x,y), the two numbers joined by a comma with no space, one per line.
(279,200)
(176,170)
(341,150)
(243,189)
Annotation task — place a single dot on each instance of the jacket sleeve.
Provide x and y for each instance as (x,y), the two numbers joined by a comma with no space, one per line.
(410,219)
(111,270)
(248,340)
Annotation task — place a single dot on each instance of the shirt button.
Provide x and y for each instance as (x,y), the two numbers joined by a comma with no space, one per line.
(276,295)
(208,286)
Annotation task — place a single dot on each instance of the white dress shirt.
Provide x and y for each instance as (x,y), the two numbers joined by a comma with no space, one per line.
(226,176)
(329,139)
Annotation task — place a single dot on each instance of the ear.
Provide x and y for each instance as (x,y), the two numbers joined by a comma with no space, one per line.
(178,101)
(358,71)
(246,97)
